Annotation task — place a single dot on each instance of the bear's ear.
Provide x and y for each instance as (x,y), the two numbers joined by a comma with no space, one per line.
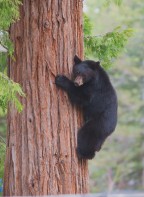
(94,65)
(98,63)
(77,60)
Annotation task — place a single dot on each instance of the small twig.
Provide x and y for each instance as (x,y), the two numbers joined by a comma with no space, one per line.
(94,36)
(2,139)
(3,46)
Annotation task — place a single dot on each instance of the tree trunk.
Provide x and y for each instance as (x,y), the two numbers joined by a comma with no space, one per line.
(41,141)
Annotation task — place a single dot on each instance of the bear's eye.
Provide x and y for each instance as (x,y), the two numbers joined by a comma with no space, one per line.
(77,72)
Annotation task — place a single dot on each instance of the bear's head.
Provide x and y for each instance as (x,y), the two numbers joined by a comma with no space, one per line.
(83,71)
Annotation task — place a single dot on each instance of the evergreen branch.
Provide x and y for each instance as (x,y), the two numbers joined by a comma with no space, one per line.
(9,12)
(9,91)
(107,47)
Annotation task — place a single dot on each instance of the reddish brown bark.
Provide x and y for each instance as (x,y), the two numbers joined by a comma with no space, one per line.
(41,141)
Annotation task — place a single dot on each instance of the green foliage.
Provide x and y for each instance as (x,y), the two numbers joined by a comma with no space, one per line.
(106,48)
(3,61)
(117,2)
(9,92)
(87,25)
(9,12)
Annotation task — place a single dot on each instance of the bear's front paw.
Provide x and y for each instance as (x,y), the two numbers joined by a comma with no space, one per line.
(61,80)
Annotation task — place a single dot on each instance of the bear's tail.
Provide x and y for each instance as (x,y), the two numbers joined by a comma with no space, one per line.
(85,154)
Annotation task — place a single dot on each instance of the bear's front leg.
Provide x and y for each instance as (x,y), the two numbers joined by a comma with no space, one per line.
(62,82)
(72,91)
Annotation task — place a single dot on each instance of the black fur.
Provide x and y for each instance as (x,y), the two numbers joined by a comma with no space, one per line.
(98,99)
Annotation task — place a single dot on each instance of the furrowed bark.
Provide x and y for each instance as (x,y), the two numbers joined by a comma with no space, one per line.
(41,140)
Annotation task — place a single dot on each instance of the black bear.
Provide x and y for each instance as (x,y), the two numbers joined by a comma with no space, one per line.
(91,89)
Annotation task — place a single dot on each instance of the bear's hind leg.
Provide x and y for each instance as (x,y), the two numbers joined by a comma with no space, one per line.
(90,139)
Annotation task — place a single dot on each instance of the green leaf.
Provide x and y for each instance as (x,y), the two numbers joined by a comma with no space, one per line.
(9,92)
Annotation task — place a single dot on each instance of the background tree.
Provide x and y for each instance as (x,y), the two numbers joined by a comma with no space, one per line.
(41,140)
